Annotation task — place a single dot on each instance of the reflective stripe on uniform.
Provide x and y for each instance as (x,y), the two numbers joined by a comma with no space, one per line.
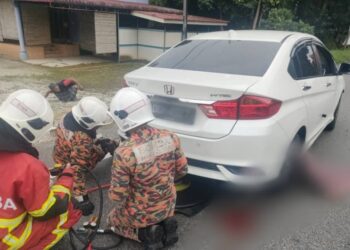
(15,243)
(50,200)
(60,189)
(59,232)
(11,224)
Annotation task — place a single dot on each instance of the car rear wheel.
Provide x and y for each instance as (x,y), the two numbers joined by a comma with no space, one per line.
(291,164)
(331,126)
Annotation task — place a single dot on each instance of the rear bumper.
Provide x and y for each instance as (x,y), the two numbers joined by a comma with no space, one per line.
(252,153)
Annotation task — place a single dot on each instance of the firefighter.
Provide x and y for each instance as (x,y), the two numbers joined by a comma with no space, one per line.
(32,215)
(144,170)
(76,144)
(65,90)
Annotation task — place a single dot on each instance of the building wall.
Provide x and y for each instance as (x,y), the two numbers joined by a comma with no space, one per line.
(1,37)
(8,20)
(146,44)
(105,32)
(10,51)
(128,44)
(87,31)
(36,24)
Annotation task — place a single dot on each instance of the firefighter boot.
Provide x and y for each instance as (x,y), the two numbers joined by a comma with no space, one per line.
(170,228)
(152,237)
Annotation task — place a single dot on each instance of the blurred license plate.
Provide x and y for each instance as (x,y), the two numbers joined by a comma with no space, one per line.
(173,110)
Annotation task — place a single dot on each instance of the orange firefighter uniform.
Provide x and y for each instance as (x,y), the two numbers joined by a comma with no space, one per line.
(142,189)
(76,145)
(30,216)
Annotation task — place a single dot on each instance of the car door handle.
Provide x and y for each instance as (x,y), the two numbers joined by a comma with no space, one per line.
(306,87)
(328,84)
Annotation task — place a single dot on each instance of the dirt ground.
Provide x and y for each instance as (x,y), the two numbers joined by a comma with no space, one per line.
(101,80)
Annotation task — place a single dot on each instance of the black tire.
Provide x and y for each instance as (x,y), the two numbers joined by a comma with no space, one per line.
(331,126)
(290,166)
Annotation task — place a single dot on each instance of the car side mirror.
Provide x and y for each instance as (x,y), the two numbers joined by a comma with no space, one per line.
(344,69)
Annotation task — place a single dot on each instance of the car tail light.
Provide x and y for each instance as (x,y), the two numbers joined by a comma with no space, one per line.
(221,110)
(257,107)
(247,107)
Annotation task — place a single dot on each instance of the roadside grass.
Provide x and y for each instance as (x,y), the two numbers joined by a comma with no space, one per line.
(341,55)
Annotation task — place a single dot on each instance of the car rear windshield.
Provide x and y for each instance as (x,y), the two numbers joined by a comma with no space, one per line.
(250,58)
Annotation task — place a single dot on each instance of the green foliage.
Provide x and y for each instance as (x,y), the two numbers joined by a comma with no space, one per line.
(327,19)
(341,55)
(282,19)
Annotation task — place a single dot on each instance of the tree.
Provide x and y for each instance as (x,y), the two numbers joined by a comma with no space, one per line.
(282,19)
(330,19)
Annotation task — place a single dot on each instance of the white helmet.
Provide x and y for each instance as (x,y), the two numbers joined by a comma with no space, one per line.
(29,113)
(130,108)
(91,112)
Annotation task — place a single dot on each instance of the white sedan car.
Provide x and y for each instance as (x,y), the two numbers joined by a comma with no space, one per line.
(239,99)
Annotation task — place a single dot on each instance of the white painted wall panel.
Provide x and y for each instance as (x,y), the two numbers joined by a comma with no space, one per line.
(147,53)
(151,37)
(127,36)
(172,38)
(128,53)
(105,32)
(8,20)
(146,44)
(128,44)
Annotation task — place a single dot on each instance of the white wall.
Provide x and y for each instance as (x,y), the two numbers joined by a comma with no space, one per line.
(128,44)
(146,44)
(8,20)
(105,32)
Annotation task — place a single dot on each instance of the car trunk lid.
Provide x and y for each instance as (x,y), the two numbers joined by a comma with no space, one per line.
(176,95)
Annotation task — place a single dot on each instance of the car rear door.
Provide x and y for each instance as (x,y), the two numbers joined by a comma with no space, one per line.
(329,77)
(306,71)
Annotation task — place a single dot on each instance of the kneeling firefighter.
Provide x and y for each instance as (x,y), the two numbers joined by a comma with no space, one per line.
(76,144)
(144,170)
(32,215)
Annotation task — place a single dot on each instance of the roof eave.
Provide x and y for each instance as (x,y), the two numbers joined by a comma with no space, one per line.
(168,21)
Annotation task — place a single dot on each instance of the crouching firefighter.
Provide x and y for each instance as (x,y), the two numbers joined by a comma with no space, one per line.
(32,215)
(76,144)
(144,170)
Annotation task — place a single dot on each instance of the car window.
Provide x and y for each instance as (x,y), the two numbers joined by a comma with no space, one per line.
(251,58)
(305,62)
(326,61)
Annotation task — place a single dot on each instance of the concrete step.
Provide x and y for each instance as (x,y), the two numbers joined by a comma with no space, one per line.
(52,51)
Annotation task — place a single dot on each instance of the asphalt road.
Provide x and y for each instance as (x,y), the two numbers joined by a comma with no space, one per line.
(296,218)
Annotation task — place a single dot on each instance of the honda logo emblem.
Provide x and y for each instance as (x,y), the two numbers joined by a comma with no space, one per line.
(169,89)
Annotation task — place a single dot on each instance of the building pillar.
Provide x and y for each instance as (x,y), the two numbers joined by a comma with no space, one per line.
(23,51)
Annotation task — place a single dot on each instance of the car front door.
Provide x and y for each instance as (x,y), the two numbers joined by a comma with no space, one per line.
(314,92)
